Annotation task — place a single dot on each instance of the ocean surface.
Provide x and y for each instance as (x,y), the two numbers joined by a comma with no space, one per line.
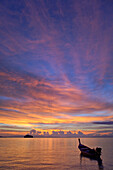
(53,153)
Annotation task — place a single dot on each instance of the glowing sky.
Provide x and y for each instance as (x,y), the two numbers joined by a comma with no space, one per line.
(56,66)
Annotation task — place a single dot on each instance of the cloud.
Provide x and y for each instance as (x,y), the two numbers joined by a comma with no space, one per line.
(46,133)
(80,133)
(33,132)
(69,133)
(104,122)
(38,132)
(54,133)
(61,132)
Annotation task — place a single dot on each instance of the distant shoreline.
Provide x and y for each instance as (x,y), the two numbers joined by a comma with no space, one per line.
(56,137)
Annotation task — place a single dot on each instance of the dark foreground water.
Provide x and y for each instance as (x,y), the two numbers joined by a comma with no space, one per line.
(53,153)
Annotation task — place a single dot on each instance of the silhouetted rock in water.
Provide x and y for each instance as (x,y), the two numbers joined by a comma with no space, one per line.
(28,136)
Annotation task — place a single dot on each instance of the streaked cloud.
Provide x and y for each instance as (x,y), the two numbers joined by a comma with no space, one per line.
(104,122)
(56,65)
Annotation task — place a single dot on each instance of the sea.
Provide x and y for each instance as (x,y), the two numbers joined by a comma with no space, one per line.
(53,153)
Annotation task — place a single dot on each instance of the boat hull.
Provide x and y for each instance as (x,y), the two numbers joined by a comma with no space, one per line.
(93,156)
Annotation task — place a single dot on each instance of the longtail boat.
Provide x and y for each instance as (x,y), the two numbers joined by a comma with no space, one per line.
(88,152)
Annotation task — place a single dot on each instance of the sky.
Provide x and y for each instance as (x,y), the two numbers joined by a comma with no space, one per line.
(56,67)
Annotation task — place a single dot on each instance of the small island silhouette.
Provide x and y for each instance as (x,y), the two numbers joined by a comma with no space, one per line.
(28,136)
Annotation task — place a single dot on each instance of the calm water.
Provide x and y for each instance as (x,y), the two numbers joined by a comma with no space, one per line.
(52,153)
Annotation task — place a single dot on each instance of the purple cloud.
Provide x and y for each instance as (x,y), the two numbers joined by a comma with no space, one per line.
(104,122)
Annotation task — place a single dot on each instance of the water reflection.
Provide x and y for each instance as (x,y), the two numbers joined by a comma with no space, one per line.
(99,160)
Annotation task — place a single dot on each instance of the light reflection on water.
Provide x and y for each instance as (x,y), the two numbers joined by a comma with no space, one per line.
(52,153)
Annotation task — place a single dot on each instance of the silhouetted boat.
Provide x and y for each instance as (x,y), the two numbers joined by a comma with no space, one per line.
(28,136)
(88,152)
